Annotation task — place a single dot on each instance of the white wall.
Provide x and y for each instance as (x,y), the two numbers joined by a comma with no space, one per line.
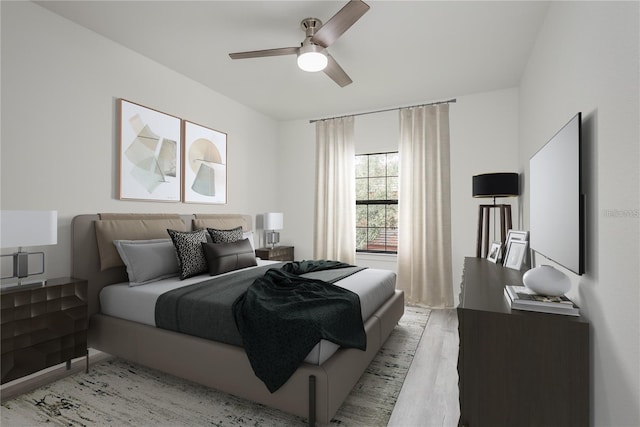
(296,184)
(484,134)
(586,59)
(60,83)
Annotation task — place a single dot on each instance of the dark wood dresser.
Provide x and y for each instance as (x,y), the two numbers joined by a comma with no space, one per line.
(43,326)
(517,368)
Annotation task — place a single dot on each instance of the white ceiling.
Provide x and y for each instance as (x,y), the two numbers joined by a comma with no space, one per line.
(399,53)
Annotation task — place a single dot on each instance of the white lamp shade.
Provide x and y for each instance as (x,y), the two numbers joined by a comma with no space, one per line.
(28,228)
(273,221)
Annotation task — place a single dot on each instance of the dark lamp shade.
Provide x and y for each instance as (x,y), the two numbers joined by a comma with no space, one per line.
(503,184)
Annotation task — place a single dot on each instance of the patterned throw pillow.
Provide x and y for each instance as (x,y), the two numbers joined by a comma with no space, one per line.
(225,236)
(188,245)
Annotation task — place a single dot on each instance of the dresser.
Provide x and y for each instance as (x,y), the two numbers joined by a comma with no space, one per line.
(43,326)
(517,368)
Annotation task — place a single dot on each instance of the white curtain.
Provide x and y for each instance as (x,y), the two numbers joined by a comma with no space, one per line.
(424,206)
(335,214)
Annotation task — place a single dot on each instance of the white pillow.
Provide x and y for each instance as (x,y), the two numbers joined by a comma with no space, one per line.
(148,260)
(249,235)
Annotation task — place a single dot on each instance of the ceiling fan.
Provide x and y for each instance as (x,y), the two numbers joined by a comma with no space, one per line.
(312,52)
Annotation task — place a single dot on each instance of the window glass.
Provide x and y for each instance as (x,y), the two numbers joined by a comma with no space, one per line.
(377,202)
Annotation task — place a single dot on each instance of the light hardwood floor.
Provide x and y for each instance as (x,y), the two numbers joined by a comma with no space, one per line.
(429,395)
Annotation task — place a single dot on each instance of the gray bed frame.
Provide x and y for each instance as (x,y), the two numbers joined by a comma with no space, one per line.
(313,392)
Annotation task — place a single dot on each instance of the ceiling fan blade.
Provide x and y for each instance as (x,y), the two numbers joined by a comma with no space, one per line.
(340,22)
(265,52)
(337,74)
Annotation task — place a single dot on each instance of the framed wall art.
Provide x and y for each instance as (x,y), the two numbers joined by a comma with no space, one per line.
(205,164)
(149,153)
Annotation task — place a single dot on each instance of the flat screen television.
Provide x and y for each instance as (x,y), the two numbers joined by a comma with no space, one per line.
(556,198)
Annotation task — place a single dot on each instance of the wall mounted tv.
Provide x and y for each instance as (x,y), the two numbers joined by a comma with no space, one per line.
(556,198)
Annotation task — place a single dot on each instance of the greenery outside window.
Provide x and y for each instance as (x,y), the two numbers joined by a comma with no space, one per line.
(377,202)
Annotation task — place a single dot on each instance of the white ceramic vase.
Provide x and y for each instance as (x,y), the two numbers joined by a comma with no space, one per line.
(547,280)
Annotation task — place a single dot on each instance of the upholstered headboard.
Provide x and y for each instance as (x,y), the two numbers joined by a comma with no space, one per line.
(101,270)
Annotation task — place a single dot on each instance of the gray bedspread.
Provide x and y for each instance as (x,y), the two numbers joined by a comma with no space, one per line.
(204,309)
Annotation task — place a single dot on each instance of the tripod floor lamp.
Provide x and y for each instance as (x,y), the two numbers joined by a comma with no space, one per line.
(503,184)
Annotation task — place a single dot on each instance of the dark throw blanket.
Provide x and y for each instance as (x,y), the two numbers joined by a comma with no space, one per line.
(284,311)
(304,267)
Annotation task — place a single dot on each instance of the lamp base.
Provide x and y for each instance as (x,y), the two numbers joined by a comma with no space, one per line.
(273,238)
(484,212)
(19,264)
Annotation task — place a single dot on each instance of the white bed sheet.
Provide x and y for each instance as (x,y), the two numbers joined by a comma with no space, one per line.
(137,303)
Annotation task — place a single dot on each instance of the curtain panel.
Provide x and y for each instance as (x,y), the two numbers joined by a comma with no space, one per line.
(335,210)
(424,206)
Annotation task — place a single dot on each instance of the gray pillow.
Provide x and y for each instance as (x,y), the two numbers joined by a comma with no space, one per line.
(225,257)
(225,236)
(148,260)
(188,246)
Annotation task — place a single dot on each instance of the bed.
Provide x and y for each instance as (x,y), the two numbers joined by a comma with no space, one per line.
(315,390)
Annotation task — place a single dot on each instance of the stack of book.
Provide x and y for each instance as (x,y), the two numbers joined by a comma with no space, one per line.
(522,298)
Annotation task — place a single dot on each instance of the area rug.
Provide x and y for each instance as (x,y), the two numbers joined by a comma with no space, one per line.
(118,393)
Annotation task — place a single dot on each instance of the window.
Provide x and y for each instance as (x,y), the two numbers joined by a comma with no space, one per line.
(377,202)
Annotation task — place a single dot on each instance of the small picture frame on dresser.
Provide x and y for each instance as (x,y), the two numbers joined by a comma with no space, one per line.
(495,252)
(515,254)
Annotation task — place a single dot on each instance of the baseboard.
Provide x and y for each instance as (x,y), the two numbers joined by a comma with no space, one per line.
(31,382)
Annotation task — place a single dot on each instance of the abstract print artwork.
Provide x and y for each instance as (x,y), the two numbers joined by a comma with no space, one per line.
(205,165)
(150,156)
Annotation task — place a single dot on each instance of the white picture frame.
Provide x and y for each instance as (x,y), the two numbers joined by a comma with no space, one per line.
(518,235)
(515,254)
(515,236)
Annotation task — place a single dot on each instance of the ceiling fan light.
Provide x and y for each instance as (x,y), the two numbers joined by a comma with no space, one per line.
(312,61)
(312,58)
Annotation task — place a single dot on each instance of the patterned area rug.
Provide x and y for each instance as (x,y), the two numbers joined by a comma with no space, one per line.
(119,393)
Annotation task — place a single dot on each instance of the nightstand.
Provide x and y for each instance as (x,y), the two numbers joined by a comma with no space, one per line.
(43,326)
(279,253)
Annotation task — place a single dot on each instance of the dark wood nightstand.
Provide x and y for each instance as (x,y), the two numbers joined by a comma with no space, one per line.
(43,326)
(279,253)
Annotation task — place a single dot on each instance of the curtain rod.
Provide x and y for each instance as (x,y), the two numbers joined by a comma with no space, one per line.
(449,101)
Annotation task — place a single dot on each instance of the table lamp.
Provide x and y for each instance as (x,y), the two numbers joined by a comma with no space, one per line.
(19,229)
